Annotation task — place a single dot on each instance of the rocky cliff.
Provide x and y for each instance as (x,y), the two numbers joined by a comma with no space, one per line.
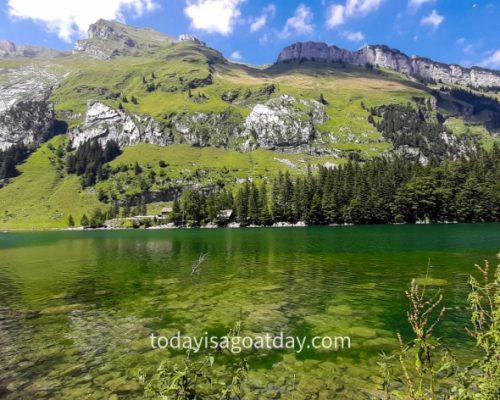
(284,123)
(26,114)
(385,57)
(104,123)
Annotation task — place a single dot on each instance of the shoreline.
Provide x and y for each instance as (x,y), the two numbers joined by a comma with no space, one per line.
(229,226)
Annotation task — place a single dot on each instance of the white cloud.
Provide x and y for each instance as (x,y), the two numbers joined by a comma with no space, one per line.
(300,23)
(213,16)
(361,8)
(70,18)
(260,22)
(353,36)
(416,4)
(433,19)
(236,56)
(338,14)
(492,61)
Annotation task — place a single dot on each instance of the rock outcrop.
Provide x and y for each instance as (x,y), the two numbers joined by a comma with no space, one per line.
(192,39)
(111,39)
(10,49)
(385,57)
(30,122)
(104,123)
(26,114)
(208,129)
(284,123)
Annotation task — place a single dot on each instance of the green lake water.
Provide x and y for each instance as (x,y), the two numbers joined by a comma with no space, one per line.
(77,308)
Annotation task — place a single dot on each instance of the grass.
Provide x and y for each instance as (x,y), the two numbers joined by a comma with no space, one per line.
(43,196)
(40,198)
(202,167)
(459,127)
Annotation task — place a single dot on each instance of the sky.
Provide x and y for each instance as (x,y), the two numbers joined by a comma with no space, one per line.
(254,31)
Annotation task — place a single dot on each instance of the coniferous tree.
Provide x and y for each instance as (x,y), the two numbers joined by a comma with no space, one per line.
(84,221)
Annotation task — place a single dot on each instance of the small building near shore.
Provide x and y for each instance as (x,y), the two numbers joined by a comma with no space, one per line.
(225,215)
(165,212)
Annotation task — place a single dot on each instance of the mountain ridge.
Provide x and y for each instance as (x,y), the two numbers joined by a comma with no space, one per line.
(108,39)
(9,49)
(386,57)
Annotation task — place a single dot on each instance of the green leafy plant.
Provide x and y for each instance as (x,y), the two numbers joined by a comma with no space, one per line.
(427,368)
(195,379)
(481,379)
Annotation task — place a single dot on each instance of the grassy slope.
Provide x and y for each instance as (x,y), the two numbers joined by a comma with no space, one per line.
(43,197)
(203,167)
(40,198)
(344,88)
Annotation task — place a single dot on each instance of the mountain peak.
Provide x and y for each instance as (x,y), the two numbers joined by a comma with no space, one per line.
(382,56)
(190,38)
(110,39)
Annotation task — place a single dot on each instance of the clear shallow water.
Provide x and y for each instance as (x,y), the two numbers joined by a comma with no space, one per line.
(76,308)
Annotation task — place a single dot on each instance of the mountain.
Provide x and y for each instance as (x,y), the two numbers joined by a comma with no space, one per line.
(188,117)
(110,39)
(385,57)
(10,49)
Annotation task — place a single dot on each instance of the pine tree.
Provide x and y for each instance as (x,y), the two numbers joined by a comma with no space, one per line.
(84,221)
(253,205)
(242,201)
(212,210)
(71,221)
(126,210)
(137,169)
(176,215)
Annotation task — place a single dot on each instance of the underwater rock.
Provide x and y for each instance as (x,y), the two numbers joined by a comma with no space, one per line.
(431,281)
(342,309)
(362,332)
(122,386)
(65,309)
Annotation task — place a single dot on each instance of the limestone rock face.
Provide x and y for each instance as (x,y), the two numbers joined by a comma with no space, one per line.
(104,123)
(208,129)
(385,57)
(284,123)
(26,114)
(30,122)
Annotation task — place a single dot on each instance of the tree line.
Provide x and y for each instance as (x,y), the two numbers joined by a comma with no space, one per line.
(376,192)
(405,126)
(89,160)
(11,157)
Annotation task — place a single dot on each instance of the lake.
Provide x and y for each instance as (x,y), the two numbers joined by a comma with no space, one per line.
(77,308)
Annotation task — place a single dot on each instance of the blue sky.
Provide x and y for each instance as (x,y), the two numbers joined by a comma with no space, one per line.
(254,31)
